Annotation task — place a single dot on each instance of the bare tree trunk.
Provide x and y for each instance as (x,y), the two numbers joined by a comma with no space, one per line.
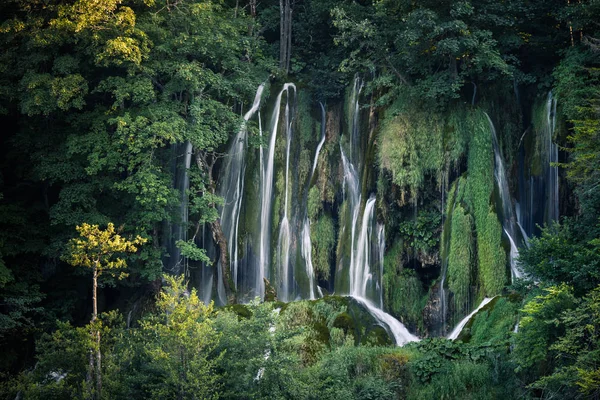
(289,37)
(98,365)
(221,241)
(282,42)
(96,337)
(94,294)
(285,34)
(218,235)
(571,28)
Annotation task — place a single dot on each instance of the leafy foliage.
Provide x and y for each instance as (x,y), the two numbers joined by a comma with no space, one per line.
(97,249)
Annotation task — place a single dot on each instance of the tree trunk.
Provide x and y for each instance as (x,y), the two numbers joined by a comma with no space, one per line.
(285,34)
(282,41)
(218,235)
(96,336)
(289,37)
(94,294)
(221,241)
(97,369)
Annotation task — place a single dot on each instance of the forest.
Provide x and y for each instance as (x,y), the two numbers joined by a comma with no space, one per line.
(303,199)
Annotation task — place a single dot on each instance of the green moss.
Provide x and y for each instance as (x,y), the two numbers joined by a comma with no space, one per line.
(343,250)
(479,188)
(240,310)
(377,336)
(494,322)
(410,148)
(305,124)
(323,241)
(416,144)
(302,170)
(404,296)
(314,203)
(344,322)
(460,258)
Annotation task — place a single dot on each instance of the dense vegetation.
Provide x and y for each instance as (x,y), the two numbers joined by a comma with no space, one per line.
(96,98)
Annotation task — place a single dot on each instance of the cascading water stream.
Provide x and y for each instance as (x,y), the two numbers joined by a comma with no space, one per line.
(232,186)
(509,221)
(360,242)
(360,273)
(399,332)
(456,331)
(283,244)
(381,253)
(306,243)
(320,145)
(539,194)
(267,193)
(551,151)
(355,134)
(306,253)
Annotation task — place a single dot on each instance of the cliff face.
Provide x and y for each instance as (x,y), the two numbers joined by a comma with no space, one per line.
(420,213)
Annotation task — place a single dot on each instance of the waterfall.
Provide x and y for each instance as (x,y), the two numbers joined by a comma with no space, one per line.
(267,190)
(283,244)
(320,145)
(361,241)
(456,331)
(381,253)
(539,195)
(399,332)
(178,230)
(360,274)
(355,113)
(508,217)
(232,186)
(514,254)
(551,157)
(306,253)
(306,243)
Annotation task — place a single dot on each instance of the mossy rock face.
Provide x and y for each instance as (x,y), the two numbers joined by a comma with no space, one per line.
(344,322)
(240,310)
(377,336)
(495,321)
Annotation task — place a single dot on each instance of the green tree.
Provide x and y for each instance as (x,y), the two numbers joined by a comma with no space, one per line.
(100,250)
(172,354)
